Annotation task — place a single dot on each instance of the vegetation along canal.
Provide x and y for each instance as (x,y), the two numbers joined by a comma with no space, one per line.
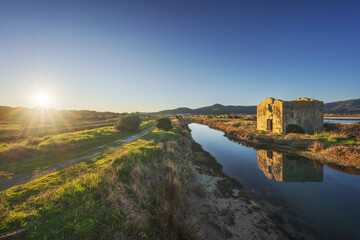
(303,197)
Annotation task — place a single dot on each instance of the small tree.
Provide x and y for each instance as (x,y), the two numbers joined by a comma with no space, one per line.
(164,124)
(293,128)
(130,122)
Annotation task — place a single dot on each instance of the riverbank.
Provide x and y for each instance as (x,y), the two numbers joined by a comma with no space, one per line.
(337,148)
(221,206)
(135,191)
(163,186)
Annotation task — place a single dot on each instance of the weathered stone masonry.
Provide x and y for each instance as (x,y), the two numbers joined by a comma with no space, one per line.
(275,115)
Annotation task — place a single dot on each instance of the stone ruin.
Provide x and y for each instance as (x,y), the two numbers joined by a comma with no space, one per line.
(274,115)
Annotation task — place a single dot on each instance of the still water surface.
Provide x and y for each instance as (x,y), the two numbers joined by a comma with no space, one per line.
(300,195)
(344,120)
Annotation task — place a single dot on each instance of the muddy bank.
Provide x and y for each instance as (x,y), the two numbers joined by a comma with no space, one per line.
(220,204)
(222,207)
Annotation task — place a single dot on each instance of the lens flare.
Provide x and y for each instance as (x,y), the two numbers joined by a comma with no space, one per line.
(42,99)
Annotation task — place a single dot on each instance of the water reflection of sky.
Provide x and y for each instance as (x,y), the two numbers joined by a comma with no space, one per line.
(345,120)
(325,198)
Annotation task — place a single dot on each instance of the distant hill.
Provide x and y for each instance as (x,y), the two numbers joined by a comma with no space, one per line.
(214,109)
(348,106)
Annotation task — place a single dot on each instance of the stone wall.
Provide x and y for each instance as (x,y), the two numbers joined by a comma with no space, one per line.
(307,113)
(270,109)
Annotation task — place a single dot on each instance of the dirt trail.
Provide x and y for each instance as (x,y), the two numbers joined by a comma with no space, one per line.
(22,178)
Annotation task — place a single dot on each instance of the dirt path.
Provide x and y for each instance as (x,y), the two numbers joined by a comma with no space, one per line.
(22,178)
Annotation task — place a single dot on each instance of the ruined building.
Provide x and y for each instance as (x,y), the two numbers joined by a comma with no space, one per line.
(275,115)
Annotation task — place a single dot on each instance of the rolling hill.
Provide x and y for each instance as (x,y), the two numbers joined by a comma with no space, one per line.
(214,109)
(348,106)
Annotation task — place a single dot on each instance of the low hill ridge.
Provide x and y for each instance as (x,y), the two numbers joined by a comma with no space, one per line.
(347,106)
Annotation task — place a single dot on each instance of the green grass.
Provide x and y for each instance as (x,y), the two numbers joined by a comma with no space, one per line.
(121,194)
(15,130)
(42,153)
(335,140)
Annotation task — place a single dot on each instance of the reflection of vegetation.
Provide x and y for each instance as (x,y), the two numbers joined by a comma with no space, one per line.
(45,152)
(132,192)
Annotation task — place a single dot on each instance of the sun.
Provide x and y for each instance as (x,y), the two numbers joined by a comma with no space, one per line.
(42,99)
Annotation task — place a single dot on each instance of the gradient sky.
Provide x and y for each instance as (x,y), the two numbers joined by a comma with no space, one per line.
(152,55)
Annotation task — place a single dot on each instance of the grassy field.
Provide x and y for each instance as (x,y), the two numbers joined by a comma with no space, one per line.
(338,142)
(17,130)
(44,152)
(133,191)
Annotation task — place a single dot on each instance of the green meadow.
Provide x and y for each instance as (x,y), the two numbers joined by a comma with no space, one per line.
(41,153)
(132,191)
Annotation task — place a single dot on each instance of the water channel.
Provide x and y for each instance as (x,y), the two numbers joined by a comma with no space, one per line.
(344,120)
(303,197)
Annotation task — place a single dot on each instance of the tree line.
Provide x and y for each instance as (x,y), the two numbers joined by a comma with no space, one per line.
(46,114)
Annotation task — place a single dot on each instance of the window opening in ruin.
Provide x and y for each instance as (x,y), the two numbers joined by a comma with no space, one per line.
(269,125)
(269,154)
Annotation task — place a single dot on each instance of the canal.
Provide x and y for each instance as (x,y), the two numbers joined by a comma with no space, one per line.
(304,198)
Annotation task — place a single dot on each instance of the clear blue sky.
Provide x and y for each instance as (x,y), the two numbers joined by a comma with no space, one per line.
(153,55)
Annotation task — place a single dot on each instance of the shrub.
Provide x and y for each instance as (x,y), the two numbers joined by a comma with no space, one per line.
(129,122)
(164,124)
(293,128)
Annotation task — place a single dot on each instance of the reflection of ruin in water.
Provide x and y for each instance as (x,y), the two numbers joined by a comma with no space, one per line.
(284,168)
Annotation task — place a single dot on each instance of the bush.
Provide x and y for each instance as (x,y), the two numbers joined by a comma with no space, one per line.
(293,128)
(129,122)
(164,124)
